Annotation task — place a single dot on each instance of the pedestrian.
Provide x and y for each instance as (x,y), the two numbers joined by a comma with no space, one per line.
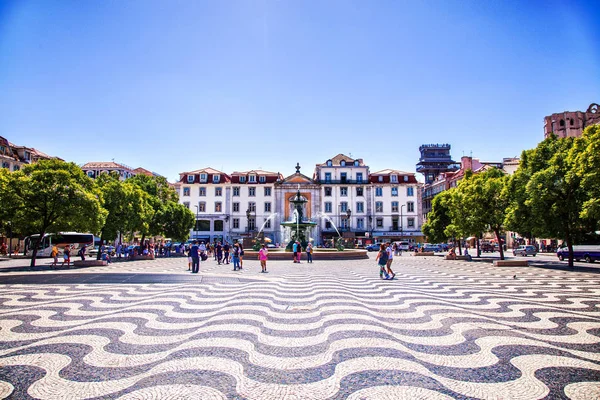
(189,257)
(382,261)
(195,257)
(263,255)
(295,251)
(119,248)
(202,251)
(226,249)
(236,257)
(17,249)
(66,256)
(54,255)
(241,256)
(219,252)
(81,253)
(309,250)
(388,265)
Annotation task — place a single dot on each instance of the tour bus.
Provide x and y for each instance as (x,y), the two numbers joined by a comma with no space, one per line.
(589,253)
(60,240)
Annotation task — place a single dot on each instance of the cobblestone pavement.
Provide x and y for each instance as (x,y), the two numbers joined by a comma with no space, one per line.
(439,330)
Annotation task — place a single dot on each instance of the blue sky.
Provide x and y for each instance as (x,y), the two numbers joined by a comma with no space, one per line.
(174,86)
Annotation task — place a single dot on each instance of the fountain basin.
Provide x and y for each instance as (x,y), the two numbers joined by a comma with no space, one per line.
(318,254)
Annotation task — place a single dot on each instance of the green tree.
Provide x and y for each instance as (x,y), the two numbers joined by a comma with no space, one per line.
(587,161)
(554,198)
(126,203)
(482,201)
(439,218)
(177,221)
(52,195)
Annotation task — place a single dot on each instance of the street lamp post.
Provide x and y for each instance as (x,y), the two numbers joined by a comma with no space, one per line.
(196,224)
(348,214)
(401,225)
(248,220)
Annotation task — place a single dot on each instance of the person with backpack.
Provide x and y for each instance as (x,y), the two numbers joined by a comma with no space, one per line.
(236,257)
(388,265)
(382,259)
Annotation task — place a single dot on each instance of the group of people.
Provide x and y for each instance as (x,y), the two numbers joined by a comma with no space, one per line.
(297,250)
(384,259)
(225,254)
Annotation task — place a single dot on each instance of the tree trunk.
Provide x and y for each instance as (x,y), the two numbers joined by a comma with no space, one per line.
(478,248)
(459,249)
(500,245)
(570,247)
(35,250)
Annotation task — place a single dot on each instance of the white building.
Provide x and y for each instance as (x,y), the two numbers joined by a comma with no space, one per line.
(94,169)
(207,193)
(395,206)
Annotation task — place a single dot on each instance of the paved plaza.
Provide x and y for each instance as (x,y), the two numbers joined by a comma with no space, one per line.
(328,330)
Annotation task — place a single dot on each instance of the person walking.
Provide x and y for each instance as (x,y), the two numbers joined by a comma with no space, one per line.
(81,253)
(226,249)
(235,257)
(66,256)
(295,251)
(309,251)
(219,252)
(263,255)
(390,253)
(241,256)
(382,261)
(189,257)
(195,257)
(54,255)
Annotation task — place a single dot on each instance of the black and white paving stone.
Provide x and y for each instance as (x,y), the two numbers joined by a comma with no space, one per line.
(328,330)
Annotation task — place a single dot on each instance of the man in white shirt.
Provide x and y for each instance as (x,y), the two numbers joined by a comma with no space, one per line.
(388,265)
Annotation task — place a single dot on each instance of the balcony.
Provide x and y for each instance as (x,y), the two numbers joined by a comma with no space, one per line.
(343,182)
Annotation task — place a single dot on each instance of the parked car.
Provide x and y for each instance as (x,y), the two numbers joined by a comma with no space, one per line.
(525,251)
(372,247)
(487,247)
(432,247)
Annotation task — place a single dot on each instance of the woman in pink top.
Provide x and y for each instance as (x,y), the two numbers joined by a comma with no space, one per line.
(263,254)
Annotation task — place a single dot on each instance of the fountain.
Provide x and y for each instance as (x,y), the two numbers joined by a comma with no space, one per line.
(299,227)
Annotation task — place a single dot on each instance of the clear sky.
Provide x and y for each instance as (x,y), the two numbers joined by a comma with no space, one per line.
(174,86)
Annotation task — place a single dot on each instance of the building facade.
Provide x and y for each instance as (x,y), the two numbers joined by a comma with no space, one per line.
(342,198)
(13,157)
(571,123)
(94,169)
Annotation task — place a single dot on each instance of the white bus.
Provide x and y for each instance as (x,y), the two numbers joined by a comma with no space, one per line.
(60,240)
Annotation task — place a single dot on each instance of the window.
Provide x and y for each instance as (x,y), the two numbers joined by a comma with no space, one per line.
(379,222)
(252,206)
(344,223)
(219,225)
(410,191)
(90,174)
(16,168)
(327,176)
(360,223)
(327,191)
(378,191)
(344,177)
(186,204)
(268,224)
(267,191)
(236,190)
(343,191)
(268,207)
(236,223)
(218,206)
(562,122)
(262,179)
(360,207)
(410,206)
(379,206)
(186,191)
(343,163)
(216,178)
(327,225)
(329,163)
(394,178)
(203,225)
(203,177)
(190,178)
(218,192)
(395,191)
(410,222)
(202,191)
(405,178)
(251,223)
(381,179)
(327,207)
(202,207)
(242,179)
(394,206)
(343,206)
(359,191)
(356,163)
(359,177)
(5,165)
(252,178)
(252,191)
(571,122)
(236,207)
